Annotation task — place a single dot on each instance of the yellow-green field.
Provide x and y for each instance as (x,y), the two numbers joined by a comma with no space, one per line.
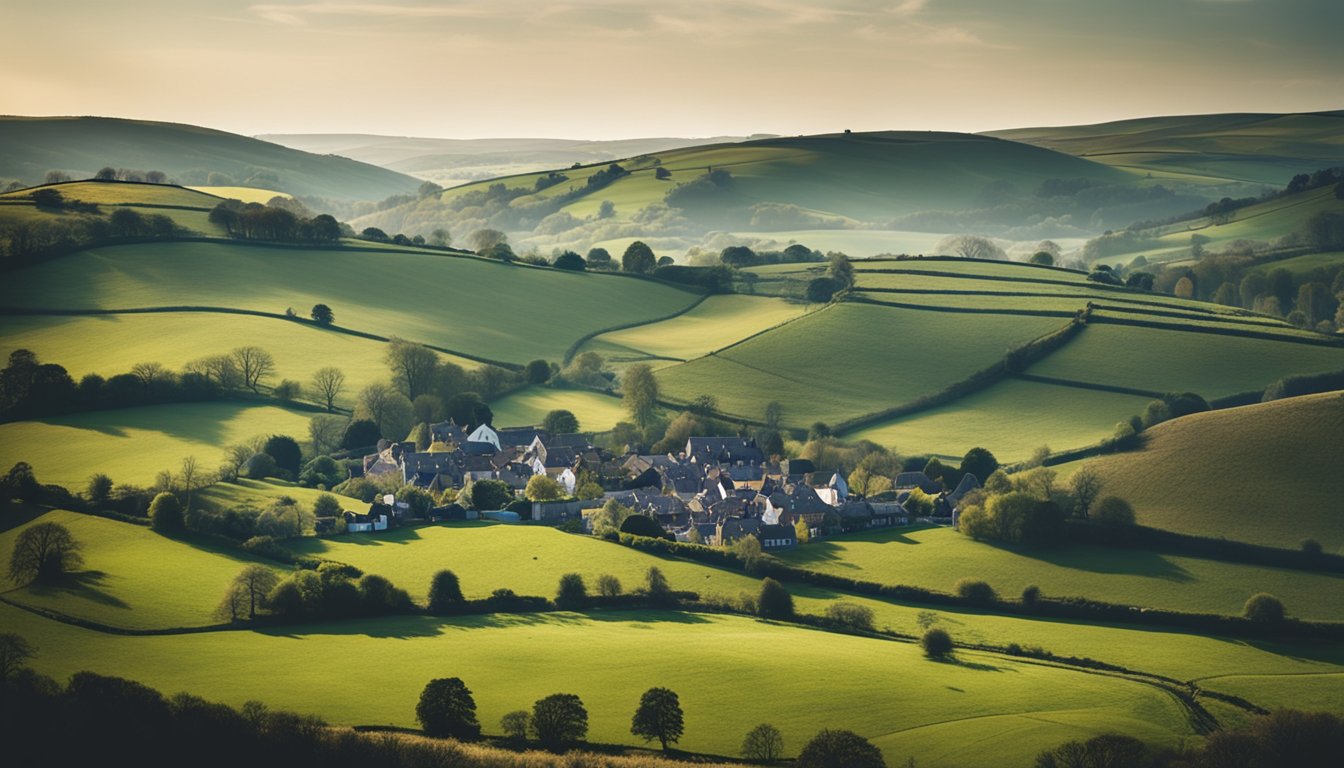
(528,407)
(715,323)
(1268,473)
(246,194)
(132,445)
(111,344)
(1012,419)
(132,577)
(128,193)
(937,557)
(486,309)
(259,493)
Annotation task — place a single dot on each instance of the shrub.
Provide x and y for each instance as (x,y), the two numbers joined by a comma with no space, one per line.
(937,644)
(774,602)
(515,724)
(379,596)
(975,591)
(445,593)
(447,708)
(642,525)
(1031,594)
(1311,547)
(260,466)
(835,748)
(1114,510)
(850,615)
(165,514)
(285,450)
(608,585)
(1113,750)
(572,593)
(1264,608)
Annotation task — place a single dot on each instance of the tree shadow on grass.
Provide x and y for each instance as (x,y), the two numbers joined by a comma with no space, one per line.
(1116,561)
(978,666)
(83,585)
(406,627)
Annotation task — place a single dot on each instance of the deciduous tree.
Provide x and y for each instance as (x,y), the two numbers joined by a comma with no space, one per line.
(43,552)
(763,744)
(559,720)
(659,716)
(447,708)
(839,749)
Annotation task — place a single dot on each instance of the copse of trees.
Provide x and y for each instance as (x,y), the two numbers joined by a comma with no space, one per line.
(254,221)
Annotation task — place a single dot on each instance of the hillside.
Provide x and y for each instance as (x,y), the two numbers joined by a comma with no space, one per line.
(825,182)
(1215,149)
(31,146)
(189,209)
(1267,474)
(456,161)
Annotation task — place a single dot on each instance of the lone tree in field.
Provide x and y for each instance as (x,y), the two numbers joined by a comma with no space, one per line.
(659,717)
(937,644)
(15,652)
(839,749)
(763,744)
(640,391)
(775,602)
(559,720)
(446,708)
(43,553)
(1264,608)
(322,314)
(445,593)
(328,383)
(165,515)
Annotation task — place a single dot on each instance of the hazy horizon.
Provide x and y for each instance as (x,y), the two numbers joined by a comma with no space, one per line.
(616,69)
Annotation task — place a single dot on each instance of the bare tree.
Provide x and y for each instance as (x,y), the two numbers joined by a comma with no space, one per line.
(14,654)
(970,247)
(1086,487)
(255,365)
(148,373)
(191,477)
(328,383)
(221,369)
(412,365)
(326,432)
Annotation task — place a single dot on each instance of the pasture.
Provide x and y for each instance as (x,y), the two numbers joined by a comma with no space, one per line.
(1011,418)
(132,445)
(528,407)
(481,308)
(613,657)
(245,194)
(111,344)
(133,577)
(936,558)
(1267,474)
(1161,360)
(259,493)
(715,323)
(848,360)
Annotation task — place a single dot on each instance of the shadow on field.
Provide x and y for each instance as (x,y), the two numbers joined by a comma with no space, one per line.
(406,627)
(1131,562)
(84,585)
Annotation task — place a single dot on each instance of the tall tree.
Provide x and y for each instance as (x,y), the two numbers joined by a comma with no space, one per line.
(43,552)
(328,383)
(658,717)
(559,719)
(640,391)
(638,259)
(447,708)
(255,365)
(412,365)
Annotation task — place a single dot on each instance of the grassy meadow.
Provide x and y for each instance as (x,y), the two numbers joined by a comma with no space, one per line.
(259,493)
(133,577)
(937,557)
(528,407)
(1012,419)
(132,445)
(110,344)
(715,323)
(848,360)
(487,309)
(1267,474)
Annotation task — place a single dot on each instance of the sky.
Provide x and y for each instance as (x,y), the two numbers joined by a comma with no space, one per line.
(605,69)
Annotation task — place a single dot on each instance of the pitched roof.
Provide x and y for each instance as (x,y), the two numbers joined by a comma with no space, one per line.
(724,449)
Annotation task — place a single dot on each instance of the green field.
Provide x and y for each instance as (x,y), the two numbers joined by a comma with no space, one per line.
(109,344)
(189,209)
(1012,419)
(133,577)
(258,493)
(486,309)
(509,661)
(1268,474)
(848,360)
(1160,360)
(1304,264)
(132,445)
(528,407)
(715,323)
(937,557)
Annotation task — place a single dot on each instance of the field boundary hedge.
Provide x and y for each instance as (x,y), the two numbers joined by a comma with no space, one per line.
(1225,550)
(1112,388)
(587,337)
(861,299)
(1247,334)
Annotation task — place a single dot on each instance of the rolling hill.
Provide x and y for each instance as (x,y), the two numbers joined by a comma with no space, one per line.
(30,146)
(1251,148)
(1266,474)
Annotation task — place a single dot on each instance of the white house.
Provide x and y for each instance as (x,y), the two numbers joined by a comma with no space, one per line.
(567,480)
(484,434)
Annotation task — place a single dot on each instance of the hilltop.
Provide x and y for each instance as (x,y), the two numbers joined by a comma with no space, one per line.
(1254,148)
(31,146)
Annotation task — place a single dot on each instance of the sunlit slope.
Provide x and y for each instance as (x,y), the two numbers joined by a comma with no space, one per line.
(1267,474)
(1260,148)
(189,209)
(485,309)
(30,146)
(868,176)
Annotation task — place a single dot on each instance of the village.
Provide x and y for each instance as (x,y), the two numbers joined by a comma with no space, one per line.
(716,491)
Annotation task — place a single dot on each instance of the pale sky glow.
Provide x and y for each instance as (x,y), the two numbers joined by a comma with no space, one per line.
(624,68)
